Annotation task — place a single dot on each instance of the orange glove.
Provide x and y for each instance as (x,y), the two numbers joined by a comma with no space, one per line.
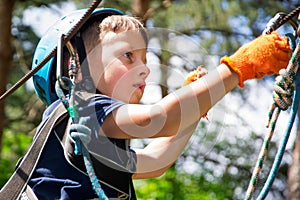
(193,76)
(265,55)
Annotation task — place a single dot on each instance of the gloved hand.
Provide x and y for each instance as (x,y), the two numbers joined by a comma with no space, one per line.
(265,55)
(194,75)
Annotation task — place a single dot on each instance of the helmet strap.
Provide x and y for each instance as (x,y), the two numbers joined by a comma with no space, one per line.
(86,83)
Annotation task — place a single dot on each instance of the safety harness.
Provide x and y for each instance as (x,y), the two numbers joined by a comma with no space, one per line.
(76,145)
(18,181)
(99,168)
(84,154)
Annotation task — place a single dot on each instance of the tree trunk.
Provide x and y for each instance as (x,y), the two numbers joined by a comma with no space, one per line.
(6,10)
(140,8)
(294,170)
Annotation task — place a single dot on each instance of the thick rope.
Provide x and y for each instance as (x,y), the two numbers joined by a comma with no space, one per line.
(284,88)
(82,136)
(261,157)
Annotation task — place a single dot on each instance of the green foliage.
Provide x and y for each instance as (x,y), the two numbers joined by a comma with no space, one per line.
(221,169)
(15,145)
(123,5)
(222,25)
(177,185)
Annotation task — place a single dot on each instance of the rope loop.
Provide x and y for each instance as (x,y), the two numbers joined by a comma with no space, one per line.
(80,132)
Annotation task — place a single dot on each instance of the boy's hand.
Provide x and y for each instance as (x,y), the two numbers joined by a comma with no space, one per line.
(265,55)
(193,76)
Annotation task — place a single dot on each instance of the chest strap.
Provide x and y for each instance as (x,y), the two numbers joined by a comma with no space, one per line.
(18,181)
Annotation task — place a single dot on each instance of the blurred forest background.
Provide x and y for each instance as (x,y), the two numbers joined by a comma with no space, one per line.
(219,159)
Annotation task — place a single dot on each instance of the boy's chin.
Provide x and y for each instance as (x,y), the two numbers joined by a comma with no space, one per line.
(135,99)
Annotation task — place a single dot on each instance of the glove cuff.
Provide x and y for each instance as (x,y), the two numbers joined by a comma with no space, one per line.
(227,61)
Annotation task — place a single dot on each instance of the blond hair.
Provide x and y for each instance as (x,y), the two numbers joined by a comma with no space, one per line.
(93,35)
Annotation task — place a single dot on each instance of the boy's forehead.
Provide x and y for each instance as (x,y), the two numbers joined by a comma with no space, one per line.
(134,38)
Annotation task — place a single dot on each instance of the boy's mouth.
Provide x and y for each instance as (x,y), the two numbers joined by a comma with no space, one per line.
(141,86)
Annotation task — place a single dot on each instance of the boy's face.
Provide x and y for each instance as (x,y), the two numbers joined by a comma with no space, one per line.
(119,66)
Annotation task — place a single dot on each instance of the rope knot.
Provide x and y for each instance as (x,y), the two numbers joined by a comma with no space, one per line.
(284,89)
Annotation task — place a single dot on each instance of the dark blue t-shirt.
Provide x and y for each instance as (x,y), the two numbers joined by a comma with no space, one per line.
(55,178)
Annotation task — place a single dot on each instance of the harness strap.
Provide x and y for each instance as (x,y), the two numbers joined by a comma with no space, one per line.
(107,171)
(102,165)
(18,181)
(28,194)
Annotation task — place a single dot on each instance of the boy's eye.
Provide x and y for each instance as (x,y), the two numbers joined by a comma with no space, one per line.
(128,55)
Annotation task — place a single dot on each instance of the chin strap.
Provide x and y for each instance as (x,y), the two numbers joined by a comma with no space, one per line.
(86,83)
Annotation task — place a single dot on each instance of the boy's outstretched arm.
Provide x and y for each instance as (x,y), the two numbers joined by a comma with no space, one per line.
(161,153)
(175,112)
(179,110)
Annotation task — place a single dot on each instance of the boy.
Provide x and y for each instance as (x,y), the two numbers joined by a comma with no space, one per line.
(112,53)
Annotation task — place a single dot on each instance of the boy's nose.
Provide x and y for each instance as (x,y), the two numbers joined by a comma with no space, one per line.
(144,71)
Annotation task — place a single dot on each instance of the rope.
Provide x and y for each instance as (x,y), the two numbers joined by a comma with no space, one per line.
(79,132)
(279,155)
(82,136)
(261,157)
(283,90)
(78,129)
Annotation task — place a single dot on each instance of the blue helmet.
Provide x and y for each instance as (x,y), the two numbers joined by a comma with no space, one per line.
(44,79)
